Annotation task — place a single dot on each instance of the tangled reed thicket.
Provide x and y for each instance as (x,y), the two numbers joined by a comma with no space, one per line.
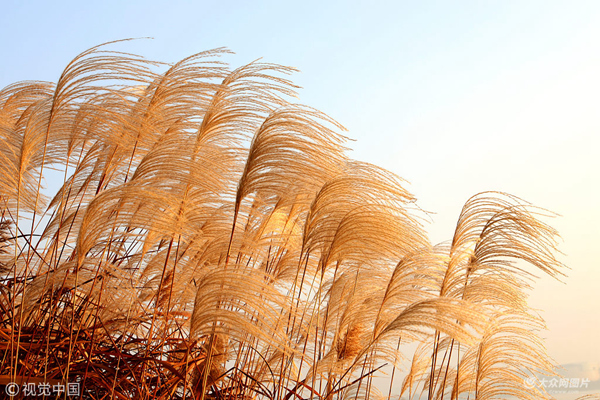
(212,240)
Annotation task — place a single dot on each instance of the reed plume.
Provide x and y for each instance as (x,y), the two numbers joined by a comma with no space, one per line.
(212,239)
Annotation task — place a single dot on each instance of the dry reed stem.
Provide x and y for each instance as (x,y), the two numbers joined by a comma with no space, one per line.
(211,239)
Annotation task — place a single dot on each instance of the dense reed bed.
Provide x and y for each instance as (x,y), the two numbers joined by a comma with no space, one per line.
(213,240)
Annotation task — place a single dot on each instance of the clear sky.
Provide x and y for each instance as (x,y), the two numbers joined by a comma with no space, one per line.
(456,97)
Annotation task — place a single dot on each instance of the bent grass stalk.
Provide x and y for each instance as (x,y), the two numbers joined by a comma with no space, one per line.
(213,240)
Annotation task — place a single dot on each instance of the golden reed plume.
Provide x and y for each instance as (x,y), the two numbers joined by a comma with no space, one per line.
(211,239)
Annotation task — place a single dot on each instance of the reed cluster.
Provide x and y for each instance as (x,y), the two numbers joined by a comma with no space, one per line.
(210,239)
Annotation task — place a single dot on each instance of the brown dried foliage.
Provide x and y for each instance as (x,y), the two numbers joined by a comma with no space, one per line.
(210,239)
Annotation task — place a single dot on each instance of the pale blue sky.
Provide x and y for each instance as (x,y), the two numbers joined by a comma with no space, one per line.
(456,97)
